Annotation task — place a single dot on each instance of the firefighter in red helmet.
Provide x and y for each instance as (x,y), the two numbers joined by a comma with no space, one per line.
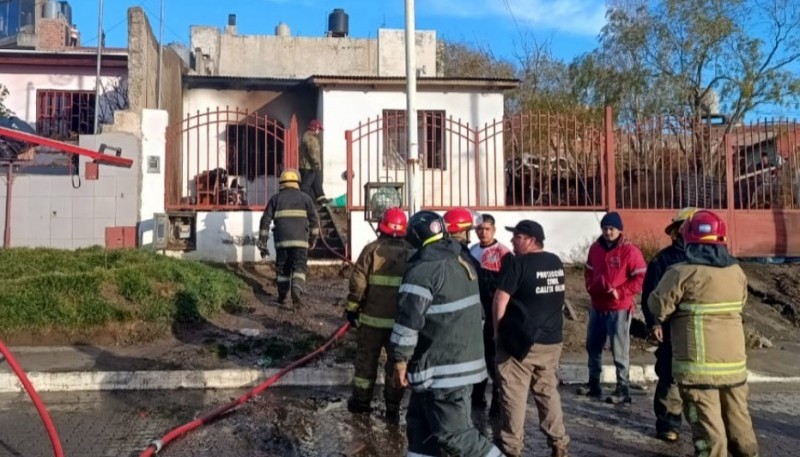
(702,299)
(458,222)
(371,308)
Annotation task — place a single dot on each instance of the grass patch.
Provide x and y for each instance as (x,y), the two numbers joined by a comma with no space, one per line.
(89,288)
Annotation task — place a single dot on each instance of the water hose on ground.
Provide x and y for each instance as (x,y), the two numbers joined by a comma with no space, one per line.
(175,433)
(58,451)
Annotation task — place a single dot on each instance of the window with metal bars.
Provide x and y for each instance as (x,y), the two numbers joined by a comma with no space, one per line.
(64,114)
(430,131)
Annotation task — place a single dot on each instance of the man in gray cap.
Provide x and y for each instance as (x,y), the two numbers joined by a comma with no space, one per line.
(528,321)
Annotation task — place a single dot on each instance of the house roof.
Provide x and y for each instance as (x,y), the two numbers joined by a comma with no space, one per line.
(374,82)
(239,82)
(386,82)
(80,57)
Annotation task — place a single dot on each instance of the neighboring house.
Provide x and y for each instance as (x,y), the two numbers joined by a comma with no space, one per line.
(54,203)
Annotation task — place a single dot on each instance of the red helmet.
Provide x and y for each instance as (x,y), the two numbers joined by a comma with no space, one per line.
(705,227)
(314,124)
(458,220)
(393,222)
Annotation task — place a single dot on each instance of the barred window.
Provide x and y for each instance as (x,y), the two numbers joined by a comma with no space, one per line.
(430,131)
(63,115)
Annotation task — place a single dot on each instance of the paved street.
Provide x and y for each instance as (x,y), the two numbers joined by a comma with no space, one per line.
(315,423)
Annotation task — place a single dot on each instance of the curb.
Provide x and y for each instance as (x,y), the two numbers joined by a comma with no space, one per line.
(243,378)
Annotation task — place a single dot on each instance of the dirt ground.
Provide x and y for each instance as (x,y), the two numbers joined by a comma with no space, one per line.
(265,335)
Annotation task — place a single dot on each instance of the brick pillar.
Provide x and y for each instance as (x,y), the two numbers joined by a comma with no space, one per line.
(53,34)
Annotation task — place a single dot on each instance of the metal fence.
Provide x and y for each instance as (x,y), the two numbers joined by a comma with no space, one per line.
(229,159)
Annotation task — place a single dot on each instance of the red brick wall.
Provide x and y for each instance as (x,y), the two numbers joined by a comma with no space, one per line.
(52,33)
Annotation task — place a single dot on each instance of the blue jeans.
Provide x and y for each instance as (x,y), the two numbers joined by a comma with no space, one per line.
(616,327)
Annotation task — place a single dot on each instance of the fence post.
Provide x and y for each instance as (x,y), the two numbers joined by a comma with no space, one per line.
(348,138)
(610,160)
(727,146)
(476,146)
(290,144)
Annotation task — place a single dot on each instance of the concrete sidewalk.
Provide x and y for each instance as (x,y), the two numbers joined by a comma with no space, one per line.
(69,368)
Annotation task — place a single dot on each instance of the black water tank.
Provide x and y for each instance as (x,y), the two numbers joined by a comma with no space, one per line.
(338,23)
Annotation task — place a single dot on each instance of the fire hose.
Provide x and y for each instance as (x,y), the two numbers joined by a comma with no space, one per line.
(175,433)
(37,402)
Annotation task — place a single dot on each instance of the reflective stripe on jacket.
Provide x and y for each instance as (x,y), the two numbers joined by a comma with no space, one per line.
(438,325)
(704,307)
(295,218)
(376,276)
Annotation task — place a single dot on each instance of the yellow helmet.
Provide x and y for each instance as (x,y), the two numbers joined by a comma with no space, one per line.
(289,178)
(289,175)
(680,217)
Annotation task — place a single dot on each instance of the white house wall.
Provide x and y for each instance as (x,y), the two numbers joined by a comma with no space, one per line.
(567,233)
(48,211)
(343,110)
(231,236)
(22,84)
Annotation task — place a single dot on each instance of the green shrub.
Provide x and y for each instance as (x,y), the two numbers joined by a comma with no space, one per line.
(85,288)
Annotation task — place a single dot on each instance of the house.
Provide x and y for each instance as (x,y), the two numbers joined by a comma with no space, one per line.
(211,130)
(249,98)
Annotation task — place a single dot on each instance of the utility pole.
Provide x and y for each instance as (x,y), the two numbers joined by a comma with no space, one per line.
(411,108)
(97,75)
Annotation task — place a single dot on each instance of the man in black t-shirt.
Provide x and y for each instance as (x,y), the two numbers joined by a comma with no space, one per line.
(528,322)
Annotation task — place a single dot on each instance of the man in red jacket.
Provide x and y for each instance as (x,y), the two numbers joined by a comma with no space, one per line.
(614,275)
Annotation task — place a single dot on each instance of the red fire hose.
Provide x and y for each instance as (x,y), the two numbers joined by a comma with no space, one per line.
(37,402)
(173,434)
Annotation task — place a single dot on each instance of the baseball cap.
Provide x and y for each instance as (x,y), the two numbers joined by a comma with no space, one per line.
(529,228)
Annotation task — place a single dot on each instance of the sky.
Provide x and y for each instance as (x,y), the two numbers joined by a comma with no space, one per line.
(504,26)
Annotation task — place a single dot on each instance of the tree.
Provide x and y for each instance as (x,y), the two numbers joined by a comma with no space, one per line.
(4,112)
(671,57)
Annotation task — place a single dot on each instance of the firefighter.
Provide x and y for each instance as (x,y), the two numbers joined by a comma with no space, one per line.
(433,343)
(702,299)
(311,163)
(667,404)
(296,228)
(371,309)
(459,221)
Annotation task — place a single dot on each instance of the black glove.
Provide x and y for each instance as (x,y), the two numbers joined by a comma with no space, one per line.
(351,313)
(352,317)
(261,243)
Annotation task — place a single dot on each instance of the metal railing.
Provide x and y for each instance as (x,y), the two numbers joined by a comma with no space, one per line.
(226,159)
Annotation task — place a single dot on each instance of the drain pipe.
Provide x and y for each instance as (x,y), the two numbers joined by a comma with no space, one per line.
(9,186)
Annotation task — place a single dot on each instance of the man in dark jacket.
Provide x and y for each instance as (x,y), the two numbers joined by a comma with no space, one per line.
(433,345)
(667,403)
(296,227)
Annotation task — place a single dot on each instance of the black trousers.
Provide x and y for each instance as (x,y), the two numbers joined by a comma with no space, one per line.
(479,389)
(292,264)
(667,403)
(311,183)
